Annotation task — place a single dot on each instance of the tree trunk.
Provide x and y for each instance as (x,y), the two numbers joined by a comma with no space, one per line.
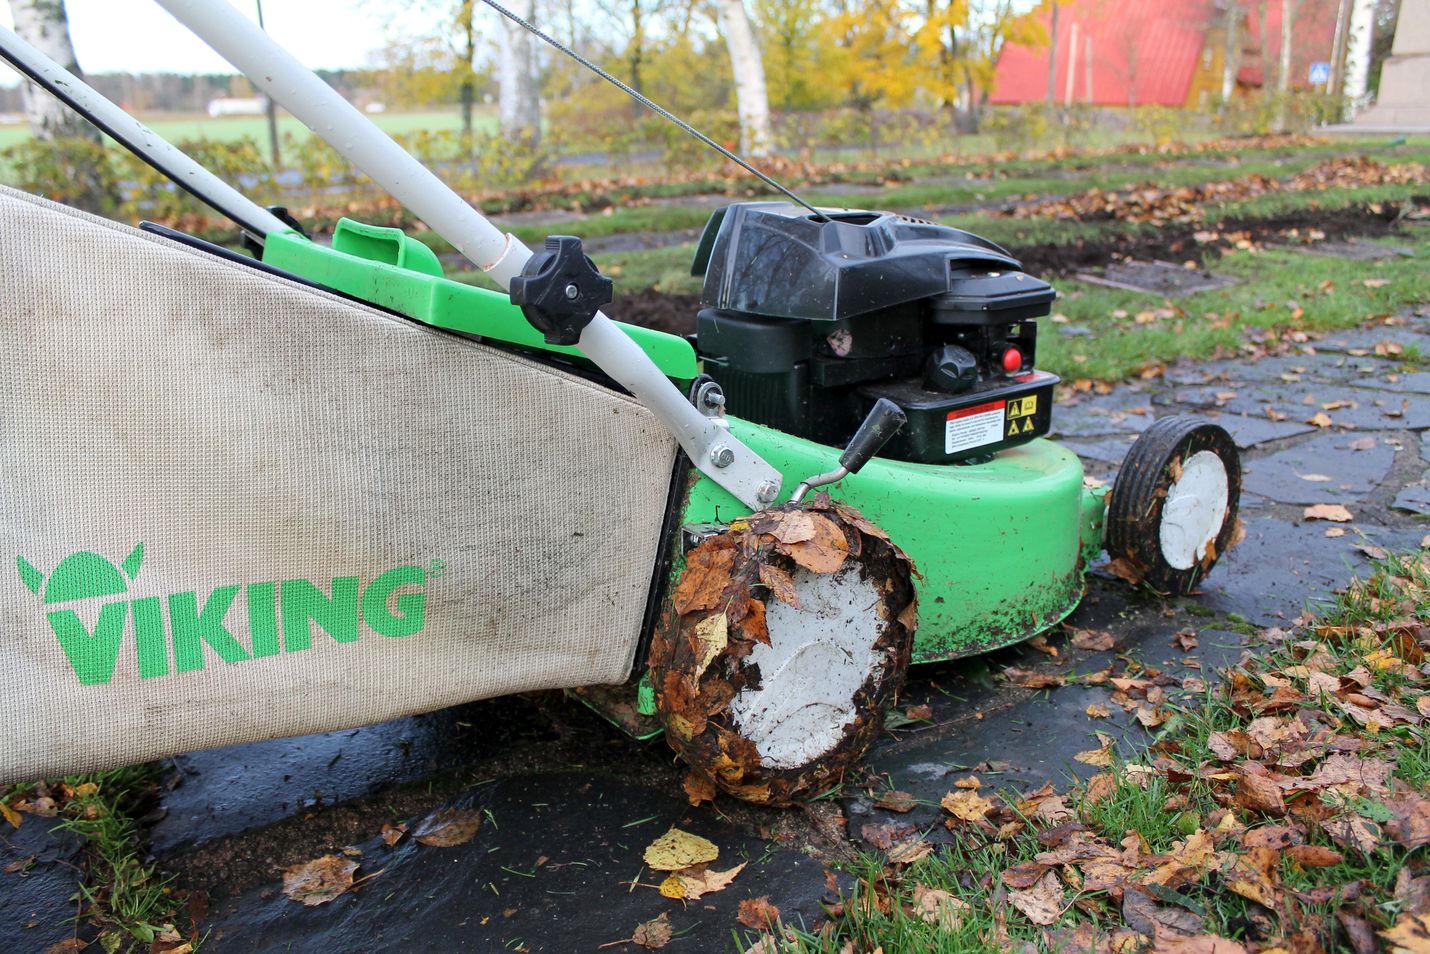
(1231,51)
(520,92)
(1283,74)
(751,98)
(469,53)
(635,56)
(1053,59)
(44,25)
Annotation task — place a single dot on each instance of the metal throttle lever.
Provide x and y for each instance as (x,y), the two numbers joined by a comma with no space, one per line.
(882,423)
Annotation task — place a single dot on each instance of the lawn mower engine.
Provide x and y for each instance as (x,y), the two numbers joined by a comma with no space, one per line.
(807,321)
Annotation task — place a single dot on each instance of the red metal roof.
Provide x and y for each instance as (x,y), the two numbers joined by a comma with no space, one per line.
(1146,52)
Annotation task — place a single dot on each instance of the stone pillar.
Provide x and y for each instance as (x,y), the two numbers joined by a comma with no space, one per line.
(1404,100)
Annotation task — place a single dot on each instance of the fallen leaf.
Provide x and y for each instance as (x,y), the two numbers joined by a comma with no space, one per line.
(1315,478)
(824,552)
(1043,902)
(1028,679)
(1411,934)
(906,853)
(780,584)
(1125,570)
(1098,711)
(1362,444)
(938,907)
(1409,823)
(1257,791)
(1163,921)
(1095,640)
(1314,856)
(698,788)
(1334,512)
(758,913)
(1102,758)
(653,934)
(392,834)
(70,945)
(966,805)
(712,634)
(1335,531)
(1320,419)
(678,849)
(10,815)
(692,885)
(896,801)
(320,880)
(1200,944)
(448,828)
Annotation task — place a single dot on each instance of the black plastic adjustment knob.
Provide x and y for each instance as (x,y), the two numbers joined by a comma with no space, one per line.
(560,290)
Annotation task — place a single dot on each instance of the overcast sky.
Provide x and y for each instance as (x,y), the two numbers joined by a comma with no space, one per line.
(138,36)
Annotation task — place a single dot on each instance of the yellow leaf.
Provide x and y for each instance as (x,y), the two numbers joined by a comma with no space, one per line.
(10,815)
(678,849)
(1411,934)
(713,632)
(966,804)
(694,885)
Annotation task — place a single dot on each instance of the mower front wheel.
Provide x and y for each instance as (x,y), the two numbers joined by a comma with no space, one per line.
(791,637)
(1174,504)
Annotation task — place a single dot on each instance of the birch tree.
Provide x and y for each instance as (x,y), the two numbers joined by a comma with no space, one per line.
(518,79)
(44,25)
(751,98)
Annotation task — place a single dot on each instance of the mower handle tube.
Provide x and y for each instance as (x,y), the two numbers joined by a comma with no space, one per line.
(138,138)
(708,441)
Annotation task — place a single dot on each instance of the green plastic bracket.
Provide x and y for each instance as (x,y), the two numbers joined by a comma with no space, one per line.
(369,262)
(645,695)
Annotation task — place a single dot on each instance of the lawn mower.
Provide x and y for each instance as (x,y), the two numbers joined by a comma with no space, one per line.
(322,485)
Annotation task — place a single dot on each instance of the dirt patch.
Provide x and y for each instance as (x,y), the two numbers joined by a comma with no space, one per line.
(649,308)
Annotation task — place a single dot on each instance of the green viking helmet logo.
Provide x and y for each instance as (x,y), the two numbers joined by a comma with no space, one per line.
(81,575)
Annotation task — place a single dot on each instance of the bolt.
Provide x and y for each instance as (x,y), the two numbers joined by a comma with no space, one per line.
(766,492)
(712,397)
(572,291)
(721,456)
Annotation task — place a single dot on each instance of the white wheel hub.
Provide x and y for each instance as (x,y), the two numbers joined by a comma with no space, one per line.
(1194,511)
(818,658)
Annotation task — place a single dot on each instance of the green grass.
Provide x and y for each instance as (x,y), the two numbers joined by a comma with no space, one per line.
(1272,285)
(1141,800)
(122,895)
(233,128)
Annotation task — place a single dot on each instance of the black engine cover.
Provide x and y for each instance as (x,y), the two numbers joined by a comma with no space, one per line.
(807,320)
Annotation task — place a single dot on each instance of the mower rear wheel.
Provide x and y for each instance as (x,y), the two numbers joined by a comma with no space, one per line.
(792,635)
(1173,508)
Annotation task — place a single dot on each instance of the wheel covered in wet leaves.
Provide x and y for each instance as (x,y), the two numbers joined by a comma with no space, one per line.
(790,637)
(1173,509)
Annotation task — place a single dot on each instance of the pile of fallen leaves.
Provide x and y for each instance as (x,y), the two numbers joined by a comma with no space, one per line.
(1302,802)
(1149,203)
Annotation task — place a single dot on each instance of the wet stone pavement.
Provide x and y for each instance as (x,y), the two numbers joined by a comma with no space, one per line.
(568,804)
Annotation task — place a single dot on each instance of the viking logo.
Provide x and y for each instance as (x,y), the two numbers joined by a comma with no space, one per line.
(392,605)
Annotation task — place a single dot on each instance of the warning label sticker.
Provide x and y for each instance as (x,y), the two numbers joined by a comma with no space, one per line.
(975,426)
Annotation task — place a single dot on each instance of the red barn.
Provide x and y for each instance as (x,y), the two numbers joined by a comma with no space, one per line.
(1161,52)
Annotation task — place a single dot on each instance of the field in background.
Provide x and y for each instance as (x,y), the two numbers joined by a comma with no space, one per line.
(232,128)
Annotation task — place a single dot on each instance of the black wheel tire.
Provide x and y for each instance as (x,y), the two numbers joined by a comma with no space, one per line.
(1135,527)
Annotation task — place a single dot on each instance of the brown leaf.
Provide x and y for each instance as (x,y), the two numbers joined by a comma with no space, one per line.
(938,907)
(1028,679)
(1103,757)
(924,712)
(70,945)
(10,815)
(448,828)
(698,788)
(707,573)
(825,552)
(1256,790)
(758,913)
(1097,710)
(1254,876)
(1094,640)
(1314,856)
(896,801)
(693,885)
(1124,569)
(320,880)
(653,934)
(907,852)
(781,585)
(1333,512)
(1024,875)
(1201,944)
(1162,921)
(1411,934)
(1041,903)
(884,836)
(1410,821)
(966,805)
(392,834)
